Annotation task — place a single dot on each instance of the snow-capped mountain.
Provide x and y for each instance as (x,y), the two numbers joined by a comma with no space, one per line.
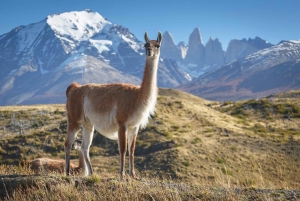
(271,70)
(53,40)
(42,59)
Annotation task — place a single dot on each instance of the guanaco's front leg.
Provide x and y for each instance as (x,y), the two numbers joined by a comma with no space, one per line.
(132,135)
(122,147)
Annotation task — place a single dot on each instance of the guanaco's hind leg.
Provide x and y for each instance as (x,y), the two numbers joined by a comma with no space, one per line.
(122,147)
(70,138)
(132,134)
(87,137)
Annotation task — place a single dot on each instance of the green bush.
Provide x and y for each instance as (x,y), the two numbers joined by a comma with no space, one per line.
(196,140)
(226,171)
(233,148)
(227,103)
(247,182)
(186,163)
(259,128)
(221,160)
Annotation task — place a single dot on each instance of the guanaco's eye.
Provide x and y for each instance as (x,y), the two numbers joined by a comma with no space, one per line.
(157,46)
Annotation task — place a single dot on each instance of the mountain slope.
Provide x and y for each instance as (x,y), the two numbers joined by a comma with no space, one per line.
(51,87)
(267,71)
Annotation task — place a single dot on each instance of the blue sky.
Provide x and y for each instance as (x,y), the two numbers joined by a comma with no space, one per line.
(273,20)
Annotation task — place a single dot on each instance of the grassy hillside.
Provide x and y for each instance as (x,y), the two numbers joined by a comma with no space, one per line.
(245,143)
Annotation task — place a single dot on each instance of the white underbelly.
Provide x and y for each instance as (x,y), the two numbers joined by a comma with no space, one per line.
(112,136)
(104,123)
(105,126)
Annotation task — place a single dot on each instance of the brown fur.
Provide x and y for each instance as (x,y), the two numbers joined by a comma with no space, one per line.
(73,85)
(52,165)
(112,108)
(131,155)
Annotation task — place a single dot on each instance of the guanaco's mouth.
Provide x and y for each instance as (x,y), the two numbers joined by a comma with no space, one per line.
(152,56)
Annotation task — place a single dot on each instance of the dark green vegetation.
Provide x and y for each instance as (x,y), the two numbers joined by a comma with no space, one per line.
(191,141)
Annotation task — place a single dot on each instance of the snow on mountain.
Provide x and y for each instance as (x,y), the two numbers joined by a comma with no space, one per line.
(183,49)
(40,60)
(77,25)
(87,31)
(79,31)
(285,51)
(53,40)
(28,36)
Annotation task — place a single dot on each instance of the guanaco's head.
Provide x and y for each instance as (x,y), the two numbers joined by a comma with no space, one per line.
(153,46)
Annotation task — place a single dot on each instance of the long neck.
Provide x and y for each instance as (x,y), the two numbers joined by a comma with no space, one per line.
(149,83)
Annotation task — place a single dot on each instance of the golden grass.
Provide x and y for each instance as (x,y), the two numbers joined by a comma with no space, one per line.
(19,183)
(211,147)
(49,107)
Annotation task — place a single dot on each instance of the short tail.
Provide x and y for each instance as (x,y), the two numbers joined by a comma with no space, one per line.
(72,86)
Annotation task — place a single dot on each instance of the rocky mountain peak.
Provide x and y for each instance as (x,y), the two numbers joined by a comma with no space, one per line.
(168,39)
(214,54)
(260,43)
(169,49)
(183,48)
(181,44)
(194,59)
(196,37)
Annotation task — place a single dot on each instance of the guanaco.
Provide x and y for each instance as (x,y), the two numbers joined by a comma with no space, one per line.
(57,165)
(117,111)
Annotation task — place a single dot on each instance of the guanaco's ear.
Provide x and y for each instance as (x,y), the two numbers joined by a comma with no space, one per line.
(146,37)
(159,37)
